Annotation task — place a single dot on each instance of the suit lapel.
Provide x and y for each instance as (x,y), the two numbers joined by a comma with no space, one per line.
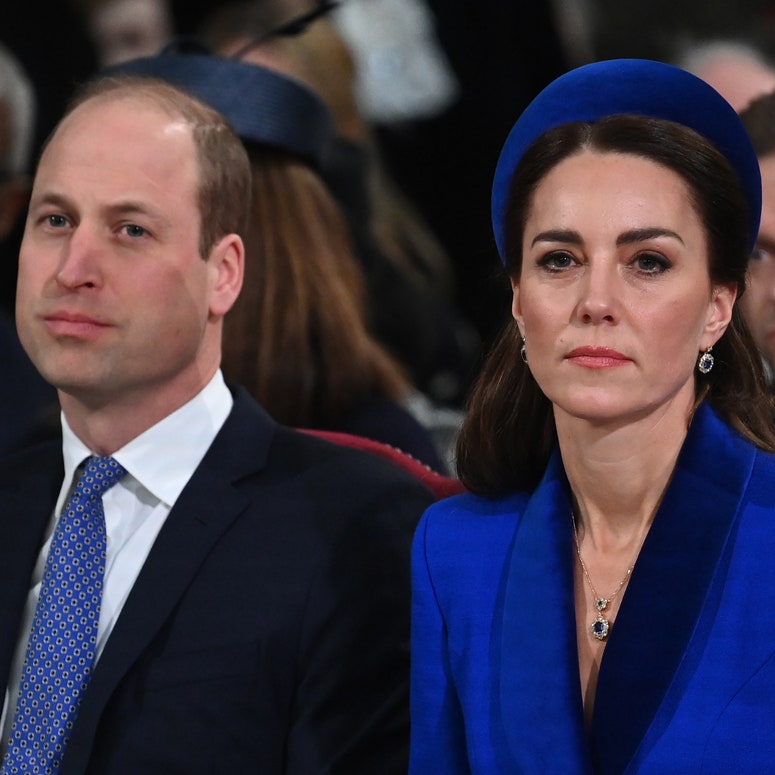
(28,503)
(540,687)
(668,589)
(205,509)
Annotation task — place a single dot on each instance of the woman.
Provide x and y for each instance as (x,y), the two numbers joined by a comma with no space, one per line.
(297,337)
(602,601)
(404,265)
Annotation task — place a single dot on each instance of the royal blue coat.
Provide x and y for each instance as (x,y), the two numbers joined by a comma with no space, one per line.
(687,682)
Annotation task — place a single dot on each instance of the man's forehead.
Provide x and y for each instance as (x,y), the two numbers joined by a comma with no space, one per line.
(132,119)
(119,146)
(124,103)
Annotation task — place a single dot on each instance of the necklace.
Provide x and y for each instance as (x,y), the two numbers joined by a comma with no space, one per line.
(601,626)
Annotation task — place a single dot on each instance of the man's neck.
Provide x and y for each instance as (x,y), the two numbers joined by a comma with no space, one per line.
(107,425)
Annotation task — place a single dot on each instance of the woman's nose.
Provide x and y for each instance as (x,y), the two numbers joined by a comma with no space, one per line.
(599,294)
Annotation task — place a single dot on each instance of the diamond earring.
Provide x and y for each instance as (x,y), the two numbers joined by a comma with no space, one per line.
(706,361)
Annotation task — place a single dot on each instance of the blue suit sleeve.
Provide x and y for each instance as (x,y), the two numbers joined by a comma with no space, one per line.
(438,740)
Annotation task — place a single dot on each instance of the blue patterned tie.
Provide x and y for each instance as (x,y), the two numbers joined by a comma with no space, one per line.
(62,643)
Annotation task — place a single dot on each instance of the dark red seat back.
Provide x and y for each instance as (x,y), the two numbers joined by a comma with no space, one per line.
(440,485)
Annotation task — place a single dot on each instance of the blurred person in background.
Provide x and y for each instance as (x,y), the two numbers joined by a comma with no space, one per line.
(736,69)
(127,29)
(53,43)
(17,128)
(758,304)
(28,402)
(410,278)
(297,337)
(501,55)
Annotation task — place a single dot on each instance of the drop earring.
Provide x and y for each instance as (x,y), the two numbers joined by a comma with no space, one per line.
(706,361)
(523,351)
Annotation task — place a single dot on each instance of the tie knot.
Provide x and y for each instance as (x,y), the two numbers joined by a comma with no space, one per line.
(99,474)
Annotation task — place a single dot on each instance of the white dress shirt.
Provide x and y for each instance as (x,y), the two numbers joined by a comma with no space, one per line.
(159,462)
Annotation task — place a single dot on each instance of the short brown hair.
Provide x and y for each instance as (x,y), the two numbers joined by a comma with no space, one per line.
(224,168)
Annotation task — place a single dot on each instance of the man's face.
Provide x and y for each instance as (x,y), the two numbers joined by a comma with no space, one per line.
(758,302)
(114,298)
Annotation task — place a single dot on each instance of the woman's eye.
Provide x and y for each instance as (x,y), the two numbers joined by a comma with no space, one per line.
(652,263)
(556,262)
(759,254)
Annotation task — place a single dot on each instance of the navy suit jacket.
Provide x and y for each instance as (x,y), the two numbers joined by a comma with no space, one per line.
(30,404)
(687,682)
(267,631)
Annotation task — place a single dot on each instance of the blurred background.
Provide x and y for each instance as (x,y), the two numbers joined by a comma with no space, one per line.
(436,83)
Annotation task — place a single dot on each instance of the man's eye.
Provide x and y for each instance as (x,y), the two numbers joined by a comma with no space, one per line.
(133,230)
(761,263)
(57,221)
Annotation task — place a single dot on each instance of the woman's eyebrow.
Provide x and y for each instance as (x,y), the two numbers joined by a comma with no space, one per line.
(642,235)
(558,235)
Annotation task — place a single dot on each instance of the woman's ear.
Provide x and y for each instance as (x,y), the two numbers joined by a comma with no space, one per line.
(720,308)
(516,306)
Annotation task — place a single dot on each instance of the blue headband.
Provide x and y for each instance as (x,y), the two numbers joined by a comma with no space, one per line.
(261,105)
(638,87)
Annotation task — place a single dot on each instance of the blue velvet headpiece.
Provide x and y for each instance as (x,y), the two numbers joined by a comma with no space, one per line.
(261,105)
(639,87)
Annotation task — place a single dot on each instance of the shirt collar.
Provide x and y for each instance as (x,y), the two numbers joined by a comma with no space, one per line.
(164,457)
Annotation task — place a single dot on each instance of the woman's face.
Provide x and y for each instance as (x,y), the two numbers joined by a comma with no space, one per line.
(614,296)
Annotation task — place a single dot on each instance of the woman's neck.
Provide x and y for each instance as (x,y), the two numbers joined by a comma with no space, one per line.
(618,474)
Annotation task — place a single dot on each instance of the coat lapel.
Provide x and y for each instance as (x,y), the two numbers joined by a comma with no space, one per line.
(668,589)
(540,693)
(29,494)
(205,509)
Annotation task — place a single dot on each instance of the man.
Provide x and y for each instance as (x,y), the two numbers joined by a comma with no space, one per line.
(758,302)
(736,69)
(254,611)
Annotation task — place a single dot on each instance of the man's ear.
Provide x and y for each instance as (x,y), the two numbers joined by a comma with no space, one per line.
(227,266)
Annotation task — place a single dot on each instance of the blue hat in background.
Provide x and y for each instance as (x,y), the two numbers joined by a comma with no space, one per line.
(630,86)
(261,105)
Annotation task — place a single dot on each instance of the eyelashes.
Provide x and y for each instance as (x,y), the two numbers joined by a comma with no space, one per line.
(646,263)
(557,261)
